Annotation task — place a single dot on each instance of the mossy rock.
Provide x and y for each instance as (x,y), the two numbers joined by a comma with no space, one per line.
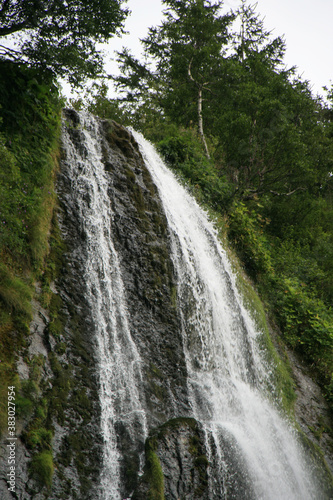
(176,464)
(42,468)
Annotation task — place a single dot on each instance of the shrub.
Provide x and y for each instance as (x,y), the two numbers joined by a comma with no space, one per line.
(42,468)
(184,153)
(14,293)
(246,233)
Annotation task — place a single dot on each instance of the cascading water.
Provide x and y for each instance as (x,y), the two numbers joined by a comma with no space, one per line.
(119,363)
(253,452)
(251,443)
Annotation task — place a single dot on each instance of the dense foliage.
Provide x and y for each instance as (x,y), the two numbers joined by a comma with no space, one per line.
(59,36)
(271,148)
(29,143)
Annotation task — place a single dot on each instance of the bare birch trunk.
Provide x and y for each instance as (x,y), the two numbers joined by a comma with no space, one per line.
(200,123)
(200,120)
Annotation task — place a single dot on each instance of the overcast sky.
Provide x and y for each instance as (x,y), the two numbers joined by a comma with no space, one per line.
(306,24)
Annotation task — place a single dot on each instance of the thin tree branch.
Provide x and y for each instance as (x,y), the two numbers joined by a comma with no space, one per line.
(287,194)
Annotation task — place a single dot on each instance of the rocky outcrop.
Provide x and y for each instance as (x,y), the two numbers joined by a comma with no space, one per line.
(181,465)
(176,462)
(311,410)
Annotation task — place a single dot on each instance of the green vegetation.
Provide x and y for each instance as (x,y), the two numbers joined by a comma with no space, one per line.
(42,467)
(29,142)
(29,136)
(153,478)
(260,154)
(59,37)
(281,385)
(29,128)
(154,473)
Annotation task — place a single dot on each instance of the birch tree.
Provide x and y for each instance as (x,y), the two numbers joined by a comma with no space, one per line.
(187,50)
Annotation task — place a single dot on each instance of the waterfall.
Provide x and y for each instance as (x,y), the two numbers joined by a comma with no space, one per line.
(119,363)
(227,375)
(253,452)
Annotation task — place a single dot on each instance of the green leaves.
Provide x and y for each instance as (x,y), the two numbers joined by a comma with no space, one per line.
(30,127)
(184,153)
(307,324)
(289,279)
(61,36)
(246,232)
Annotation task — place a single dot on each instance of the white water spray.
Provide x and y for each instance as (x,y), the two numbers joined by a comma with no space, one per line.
(118,359)
(227,373)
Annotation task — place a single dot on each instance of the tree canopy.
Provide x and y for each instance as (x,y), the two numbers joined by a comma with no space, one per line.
(187,49)
(60,35)
(262,120)
(208,84)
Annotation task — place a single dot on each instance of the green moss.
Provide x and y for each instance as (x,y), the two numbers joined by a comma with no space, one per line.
(39,438)
(29,133)
(319,464)
(24,407)
(56,327)
(61,348)
(15,294)
(8,377)
(55,305)
(61,386)
(53,265)
(42,468)
(175,423)
(153,471)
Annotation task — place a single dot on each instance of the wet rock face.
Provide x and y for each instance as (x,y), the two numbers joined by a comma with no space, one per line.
(141,239)
(182,464)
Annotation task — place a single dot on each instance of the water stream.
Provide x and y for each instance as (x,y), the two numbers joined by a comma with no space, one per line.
(255,452)
(228,375)
(119,363)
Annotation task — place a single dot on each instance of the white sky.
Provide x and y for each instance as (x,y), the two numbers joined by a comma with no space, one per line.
(306,24)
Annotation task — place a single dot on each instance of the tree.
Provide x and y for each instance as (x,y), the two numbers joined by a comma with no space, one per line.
(187,49)
(60,35)
(270,139)
(254,39)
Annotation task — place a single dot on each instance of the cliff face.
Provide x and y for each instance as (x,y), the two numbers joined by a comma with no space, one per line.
(66,343)
(165,453)
(140,237)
